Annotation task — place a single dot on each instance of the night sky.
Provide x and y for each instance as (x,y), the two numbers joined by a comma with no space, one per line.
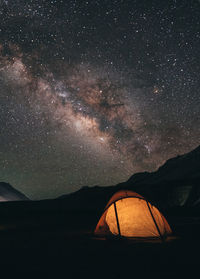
(92,92)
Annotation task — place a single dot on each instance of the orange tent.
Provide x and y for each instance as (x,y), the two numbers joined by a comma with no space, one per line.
(130,215)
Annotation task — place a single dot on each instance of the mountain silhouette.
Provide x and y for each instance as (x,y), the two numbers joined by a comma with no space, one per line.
(176,183)
(8,193)
(182,167)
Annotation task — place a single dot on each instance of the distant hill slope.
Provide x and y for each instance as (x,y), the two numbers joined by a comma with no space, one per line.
(182,167)
(176,183)
(8,193)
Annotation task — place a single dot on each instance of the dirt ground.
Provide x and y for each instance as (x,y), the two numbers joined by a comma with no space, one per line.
(40,243)
(57,253)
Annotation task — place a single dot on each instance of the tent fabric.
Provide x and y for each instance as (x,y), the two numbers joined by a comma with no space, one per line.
(128,214)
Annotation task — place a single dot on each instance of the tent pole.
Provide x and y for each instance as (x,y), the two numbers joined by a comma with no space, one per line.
(117,219)
(155,222)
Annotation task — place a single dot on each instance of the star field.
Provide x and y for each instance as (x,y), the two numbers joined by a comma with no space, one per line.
(94,91)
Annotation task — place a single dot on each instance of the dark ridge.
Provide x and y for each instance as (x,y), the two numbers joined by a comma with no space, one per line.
(176,183)
(9,193)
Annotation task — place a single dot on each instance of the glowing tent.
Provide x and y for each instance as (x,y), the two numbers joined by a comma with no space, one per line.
(130,215)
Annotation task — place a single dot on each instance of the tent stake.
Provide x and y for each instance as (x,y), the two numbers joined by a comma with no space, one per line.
(117,219)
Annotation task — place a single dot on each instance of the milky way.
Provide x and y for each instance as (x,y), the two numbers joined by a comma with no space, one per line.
(86,105)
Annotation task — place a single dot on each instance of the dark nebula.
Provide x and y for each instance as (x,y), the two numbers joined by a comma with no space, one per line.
(94,91)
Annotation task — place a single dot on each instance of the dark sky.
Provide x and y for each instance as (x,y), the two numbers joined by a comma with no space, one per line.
(94,91)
